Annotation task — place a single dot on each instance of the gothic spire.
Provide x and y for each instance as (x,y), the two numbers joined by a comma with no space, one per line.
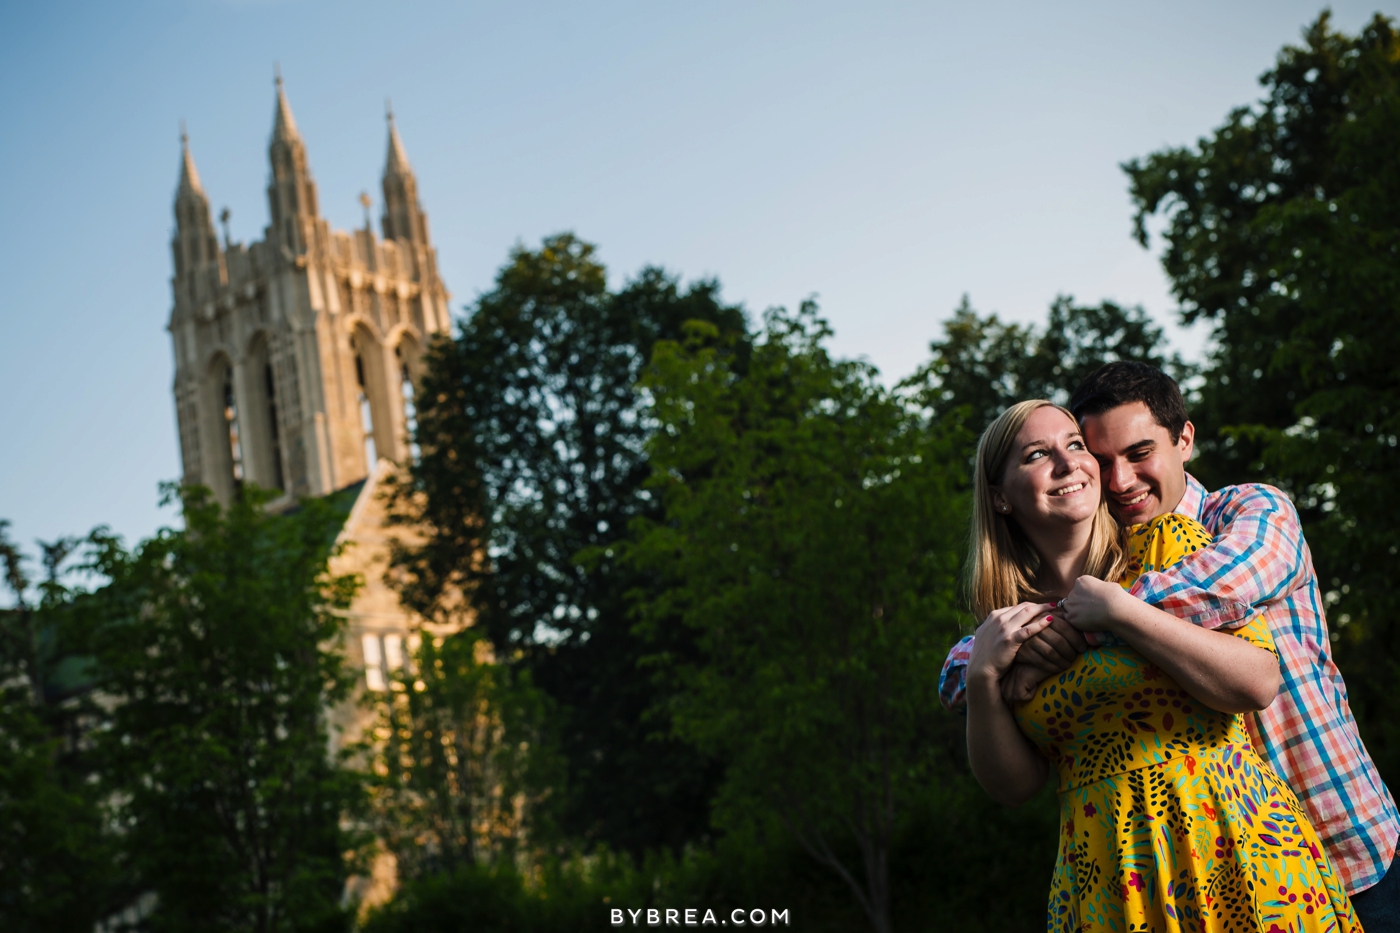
(291,194)
(403,216)
(396,163)
(284,128)
(194,243)
(189,175)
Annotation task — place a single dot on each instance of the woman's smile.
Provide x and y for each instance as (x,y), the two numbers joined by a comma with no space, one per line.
(1068,490)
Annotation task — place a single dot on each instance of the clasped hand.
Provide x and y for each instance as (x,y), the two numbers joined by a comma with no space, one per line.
(1058,642)
(1091,605)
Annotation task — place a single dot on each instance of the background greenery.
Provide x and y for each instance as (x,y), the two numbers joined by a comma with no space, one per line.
(712,575)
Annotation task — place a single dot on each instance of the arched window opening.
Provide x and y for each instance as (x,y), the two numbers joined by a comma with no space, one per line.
(410,410)
(366,416)
(235,447)
(271,386)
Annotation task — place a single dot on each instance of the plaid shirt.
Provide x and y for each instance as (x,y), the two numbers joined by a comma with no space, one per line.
(1259,559)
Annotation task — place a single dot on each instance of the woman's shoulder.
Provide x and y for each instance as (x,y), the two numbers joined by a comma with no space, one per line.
(1174,525)
(1163,541)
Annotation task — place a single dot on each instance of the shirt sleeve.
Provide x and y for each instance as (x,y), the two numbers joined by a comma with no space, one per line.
(1258,555)
(952,680)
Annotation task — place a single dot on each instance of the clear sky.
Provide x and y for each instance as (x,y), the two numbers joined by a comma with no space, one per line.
(887,157)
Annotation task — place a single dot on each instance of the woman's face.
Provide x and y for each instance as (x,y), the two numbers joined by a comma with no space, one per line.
(1051,479)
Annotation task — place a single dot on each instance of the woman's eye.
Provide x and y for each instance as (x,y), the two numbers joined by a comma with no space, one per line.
(1035,454)
(1076,445)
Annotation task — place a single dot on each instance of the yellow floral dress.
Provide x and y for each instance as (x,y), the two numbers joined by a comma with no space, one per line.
(1169,820)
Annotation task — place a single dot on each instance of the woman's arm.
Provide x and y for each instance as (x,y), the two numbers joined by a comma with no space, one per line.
(1003,760)
(1219,669)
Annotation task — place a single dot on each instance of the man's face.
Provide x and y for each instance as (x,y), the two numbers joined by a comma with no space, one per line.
(1143,472)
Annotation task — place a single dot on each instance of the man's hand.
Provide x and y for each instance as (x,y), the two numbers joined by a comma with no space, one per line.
(1054,648)
(1094,605)
(1021,682)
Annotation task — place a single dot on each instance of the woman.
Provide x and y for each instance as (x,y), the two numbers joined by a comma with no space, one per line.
(1168,818)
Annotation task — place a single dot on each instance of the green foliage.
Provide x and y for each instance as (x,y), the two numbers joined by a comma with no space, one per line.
(987,364)
(1283,229)
(59,870)
(960,862)
(557,895)
(215,651)
(811,538)
(532,428)
(463,760)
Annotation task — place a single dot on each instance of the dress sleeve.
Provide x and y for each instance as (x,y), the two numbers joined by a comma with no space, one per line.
(1256,632)
(952,680)
(1162,543)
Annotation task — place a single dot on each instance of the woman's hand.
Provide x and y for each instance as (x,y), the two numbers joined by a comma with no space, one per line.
(1003,760)
(1000,636)
(1094,605)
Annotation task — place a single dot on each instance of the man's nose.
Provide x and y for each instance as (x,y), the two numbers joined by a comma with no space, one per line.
(1120,477)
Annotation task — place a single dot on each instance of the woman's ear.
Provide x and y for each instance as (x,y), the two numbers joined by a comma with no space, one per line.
(999,503)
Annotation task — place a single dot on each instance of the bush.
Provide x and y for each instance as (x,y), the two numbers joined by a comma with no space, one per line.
(961,862)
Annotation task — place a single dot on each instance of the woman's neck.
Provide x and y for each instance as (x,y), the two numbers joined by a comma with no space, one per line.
(1064,551)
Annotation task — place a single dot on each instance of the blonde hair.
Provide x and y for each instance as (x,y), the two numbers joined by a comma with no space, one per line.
(1002,564)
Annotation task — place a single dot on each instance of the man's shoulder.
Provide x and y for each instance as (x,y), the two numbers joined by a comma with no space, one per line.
(1230,502)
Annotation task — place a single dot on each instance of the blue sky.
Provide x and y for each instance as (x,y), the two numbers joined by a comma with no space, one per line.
(885,157)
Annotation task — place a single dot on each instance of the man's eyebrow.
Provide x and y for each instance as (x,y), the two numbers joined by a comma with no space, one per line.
(1140,445)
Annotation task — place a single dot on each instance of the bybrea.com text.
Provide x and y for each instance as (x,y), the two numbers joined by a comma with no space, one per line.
(692,917)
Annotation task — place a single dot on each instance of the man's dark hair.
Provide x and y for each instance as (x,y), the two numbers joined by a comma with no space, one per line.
(1127,381)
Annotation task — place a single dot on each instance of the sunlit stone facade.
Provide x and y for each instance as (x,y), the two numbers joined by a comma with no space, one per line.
(295,355)
(295,361)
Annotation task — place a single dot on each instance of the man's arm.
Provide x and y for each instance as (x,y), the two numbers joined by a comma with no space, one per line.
(1257,556)
(1218,668)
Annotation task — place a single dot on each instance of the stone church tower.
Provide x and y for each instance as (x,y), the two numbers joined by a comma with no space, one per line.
(295,362)
(296,355)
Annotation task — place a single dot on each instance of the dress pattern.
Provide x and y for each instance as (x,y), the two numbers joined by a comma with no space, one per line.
(1169,820)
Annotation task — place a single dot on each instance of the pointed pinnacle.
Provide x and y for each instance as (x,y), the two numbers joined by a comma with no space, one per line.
(284,127)
(396,163)
(189,175)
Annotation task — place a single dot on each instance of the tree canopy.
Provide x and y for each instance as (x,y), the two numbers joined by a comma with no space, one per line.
(216,649)
(532,429)
(812,533)
(987,364)
(1282,229)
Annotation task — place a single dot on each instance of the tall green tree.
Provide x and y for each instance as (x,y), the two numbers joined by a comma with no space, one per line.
(216,648)
(1282,229)
(532,429)
(811,538)
(465,765)
(59,867)
(987,364)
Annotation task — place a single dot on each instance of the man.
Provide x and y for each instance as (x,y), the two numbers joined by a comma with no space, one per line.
(1134,423)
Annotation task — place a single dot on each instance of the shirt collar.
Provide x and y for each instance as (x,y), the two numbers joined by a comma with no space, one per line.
(1193,501)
